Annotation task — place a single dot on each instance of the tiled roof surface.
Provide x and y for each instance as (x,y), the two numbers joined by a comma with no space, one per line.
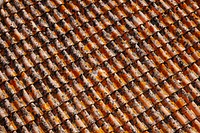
(99,66)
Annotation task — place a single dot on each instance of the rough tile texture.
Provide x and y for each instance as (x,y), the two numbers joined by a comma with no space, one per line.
(99,66)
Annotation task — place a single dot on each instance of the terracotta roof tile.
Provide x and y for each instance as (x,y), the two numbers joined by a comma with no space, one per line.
(99,66)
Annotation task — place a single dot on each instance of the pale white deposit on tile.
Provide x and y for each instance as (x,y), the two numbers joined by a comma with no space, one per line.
(1,2)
